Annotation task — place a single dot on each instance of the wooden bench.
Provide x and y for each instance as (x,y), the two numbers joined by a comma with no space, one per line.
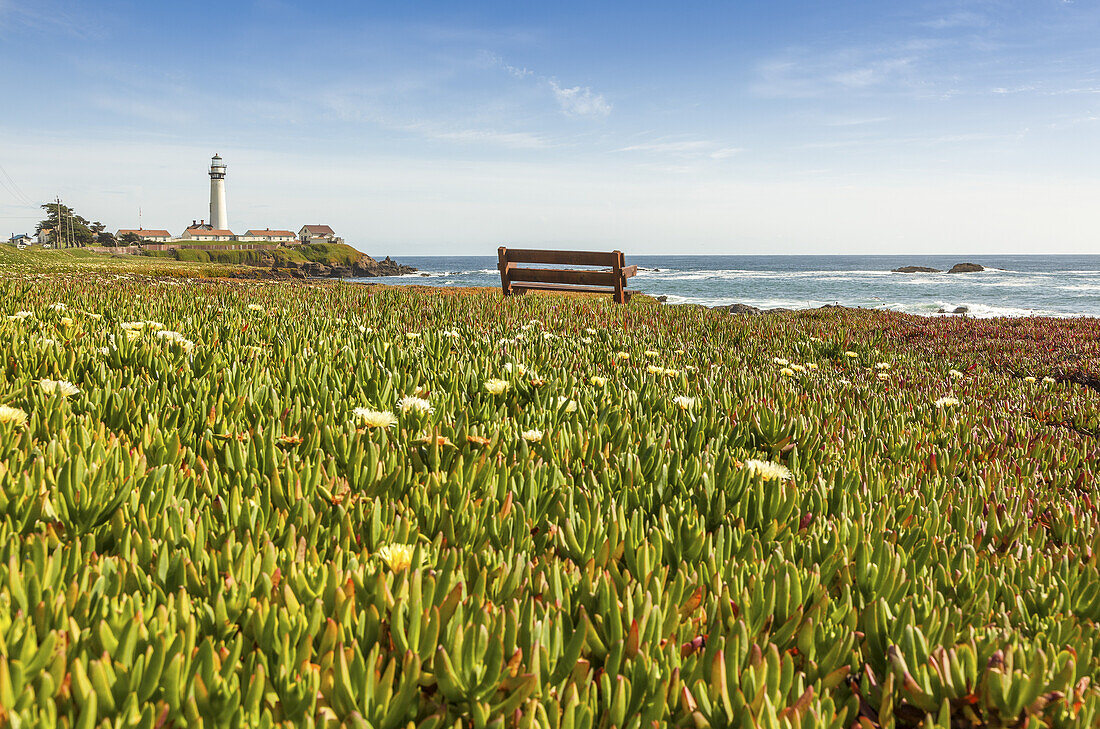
(610,279)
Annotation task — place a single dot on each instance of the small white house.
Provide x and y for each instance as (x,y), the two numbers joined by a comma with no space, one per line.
(20,241)
(205,232)
(146,234)
(267,235)
(318,234)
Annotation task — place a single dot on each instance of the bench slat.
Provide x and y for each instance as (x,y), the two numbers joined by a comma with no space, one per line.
(574,258)
(561,276)
(532,286)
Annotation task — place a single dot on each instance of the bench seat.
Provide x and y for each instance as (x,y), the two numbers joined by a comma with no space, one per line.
(606,273)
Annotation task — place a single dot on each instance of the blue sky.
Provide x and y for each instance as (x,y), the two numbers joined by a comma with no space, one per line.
(425,128)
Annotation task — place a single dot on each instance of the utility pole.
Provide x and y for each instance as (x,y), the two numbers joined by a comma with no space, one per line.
(57,229)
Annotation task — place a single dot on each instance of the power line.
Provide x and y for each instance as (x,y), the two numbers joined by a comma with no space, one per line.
(17,191)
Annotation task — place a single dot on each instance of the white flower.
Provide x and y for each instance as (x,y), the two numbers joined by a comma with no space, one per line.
(622,355)
(883,376)
(851,354)
(780,361)
(586,340)
(451,333)
(547,335)
(375,418)
(496,387)
(517,368)
(590,330)
(570,406)
(882,366)
(255,307)
(61,387)
(1048,380)
(58,307)
(21,315)
(412,335)
(684,402)
(396,556)
(532,436)
(416,404)
(768,470)
(956,374)
(652,353)
(655,370)
(92,315)
(176,338)
(9,414)
(944,402)
(798,368)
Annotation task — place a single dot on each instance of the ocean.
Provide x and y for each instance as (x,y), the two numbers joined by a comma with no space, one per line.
(1066,285)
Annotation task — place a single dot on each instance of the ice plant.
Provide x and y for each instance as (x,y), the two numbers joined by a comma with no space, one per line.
(533,435)
(12,416)
(411,403)
(684,402)
(768,470)
(948,401)
(60,387)
(397,557)
(375,418)
(496,387)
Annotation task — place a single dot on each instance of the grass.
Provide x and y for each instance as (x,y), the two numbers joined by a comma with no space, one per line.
(292,504)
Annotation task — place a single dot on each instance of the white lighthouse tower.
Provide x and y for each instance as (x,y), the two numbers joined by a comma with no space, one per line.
(218,217)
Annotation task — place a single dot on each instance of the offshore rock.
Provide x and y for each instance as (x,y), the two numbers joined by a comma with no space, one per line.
(916,269)
(966,268)
(367,266)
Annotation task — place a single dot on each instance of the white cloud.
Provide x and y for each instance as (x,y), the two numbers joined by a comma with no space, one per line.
(684,148)
(580,100)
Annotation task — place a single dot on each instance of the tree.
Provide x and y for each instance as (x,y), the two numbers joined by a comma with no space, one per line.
(129,239)
(106,238)
(69,229)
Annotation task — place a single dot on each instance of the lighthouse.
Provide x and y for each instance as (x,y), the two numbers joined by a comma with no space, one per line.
(218,217)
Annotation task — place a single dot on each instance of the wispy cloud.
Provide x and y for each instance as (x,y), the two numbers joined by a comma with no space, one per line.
(697,148)
(580,100)
(959,19)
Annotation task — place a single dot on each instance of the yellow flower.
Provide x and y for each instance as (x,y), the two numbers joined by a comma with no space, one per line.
(654,370)
(66,321)
(787,371)
(533,435)
(956,374)
(375,418)
(412,335)
(12,415)
(684,402)
(798,368)
(622,355)
(255,307)
(883,376)
(811,366)
(672,373)
(651,353)
(768,470)
(496,387)
(851,354)
(417,404)
(597,380)
(61,387)
(396,556)
(883,366)
(1029,378)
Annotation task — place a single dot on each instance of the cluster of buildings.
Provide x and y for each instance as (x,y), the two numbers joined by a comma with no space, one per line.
(202,231)
(214,231)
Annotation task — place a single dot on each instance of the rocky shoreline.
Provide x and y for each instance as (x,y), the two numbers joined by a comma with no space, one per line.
(364,267)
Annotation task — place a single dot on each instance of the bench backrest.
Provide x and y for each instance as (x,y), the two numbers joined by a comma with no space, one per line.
(514,275)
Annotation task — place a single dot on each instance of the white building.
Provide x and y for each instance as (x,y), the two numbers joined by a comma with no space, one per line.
(318,234)
(267,235)
(204,231)
(153,236)
(22,240)
(219,216)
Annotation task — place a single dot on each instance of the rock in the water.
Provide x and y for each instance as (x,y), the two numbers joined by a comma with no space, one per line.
(916,269)
(960,310)
(368,267)
(662,299)
(739,309)
(966,268)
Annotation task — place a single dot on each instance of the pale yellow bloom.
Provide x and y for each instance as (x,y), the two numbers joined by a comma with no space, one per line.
(652,353)
(396,556)
(375,418)
(1048,380)
(798,368)
(496,387)
(944,402)
(416,404)
(66,321)
(851,354)
(768,470)
(956,374)
(570,405)
(655,370)
(12,415)
(1029,378)
(597,380)
(412,335)
(255,307)
(883,376)
(533,435)
(61,387)
(781,362)
(787,371)
(684,402)
(811,366)
(883,366)
(622,355)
